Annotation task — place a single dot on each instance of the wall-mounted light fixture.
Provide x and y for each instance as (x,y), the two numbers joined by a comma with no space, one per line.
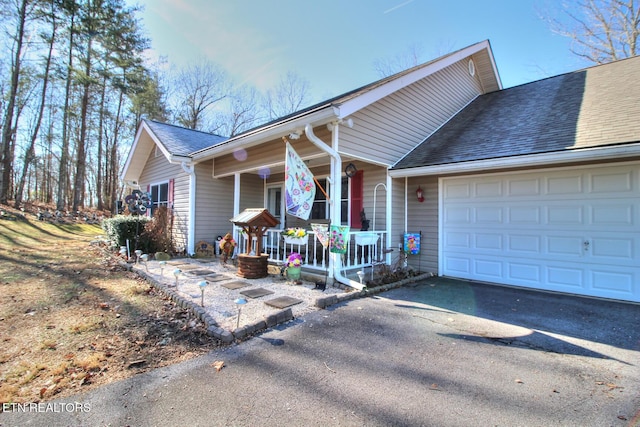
(420,194)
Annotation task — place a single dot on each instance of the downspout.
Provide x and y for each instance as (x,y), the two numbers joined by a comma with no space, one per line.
(336,168)
(191,231)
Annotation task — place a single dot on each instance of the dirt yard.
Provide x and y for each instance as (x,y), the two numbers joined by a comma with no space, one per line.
(71,319)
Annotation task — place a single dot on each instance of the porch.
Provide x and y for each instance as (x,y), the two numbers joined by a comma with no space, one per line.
(364,248)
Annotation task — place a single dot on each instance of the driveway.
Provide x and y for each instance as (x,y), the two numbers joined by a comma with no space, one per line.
(442,353)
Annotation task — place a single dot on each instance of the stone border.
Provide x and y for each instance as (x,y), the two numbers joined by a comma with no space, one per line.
(325,302)
(282,316)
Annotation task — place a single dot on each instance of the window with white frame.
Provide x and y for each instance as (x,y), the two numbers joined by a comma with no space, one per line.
(320,209)
(159,195)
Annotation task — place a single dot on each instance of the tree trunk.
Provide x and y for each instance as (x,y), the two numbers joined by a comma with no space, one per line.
(8,129)
(81,155)
(63,175)
(30,154)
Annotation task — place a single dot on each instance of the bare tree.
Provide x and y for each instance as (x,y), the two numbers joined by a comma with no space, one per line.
(30,152)
(198,87)
(409,58)
(602,30)
(243,112)
(22,10)
(290,95)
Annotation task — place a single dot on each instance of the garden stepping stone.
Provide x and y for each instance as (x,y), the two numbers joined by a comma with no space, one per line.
(256,293)
(215,278)
(234,285)
(283,302)
(200,272)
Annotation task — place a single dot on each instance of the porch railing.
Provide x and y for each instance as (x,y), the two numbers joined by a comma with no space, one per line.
(363,248)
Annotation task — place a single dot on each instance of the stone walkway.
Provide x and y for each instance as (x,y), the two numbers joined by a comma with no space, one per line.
(269,301)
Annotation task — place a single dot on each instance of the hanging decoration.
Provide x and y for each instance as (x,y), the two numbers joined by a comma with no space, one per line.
(322,233)
(338,239)
(300,188)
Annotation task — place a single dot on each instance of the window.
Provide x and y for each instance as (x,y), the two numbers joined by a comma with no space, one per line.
(350,201)
(159,196)
(320,208)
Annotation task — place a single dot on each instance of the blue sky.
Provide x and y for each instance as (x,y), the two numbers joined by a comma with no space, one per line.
(333,44)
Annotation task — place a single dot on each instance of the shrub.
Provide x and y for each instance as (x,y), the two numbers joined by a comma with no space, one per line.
(121,228)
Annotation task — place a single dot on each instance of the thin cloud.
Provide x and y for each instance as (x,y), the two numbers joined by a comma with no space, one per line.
(397,7)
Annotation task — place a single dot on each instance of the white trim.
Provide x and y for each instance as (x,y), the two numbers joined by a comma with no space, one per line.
(532,160)
(190,170)
(389,215)
(323,114)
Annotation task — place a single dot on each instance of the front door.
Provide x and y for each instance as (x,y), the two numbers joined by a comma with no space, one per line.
(275,202)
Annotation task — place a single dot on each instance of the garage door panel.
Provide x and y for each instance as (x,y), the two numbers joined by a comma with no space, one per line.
(457,215)
(565,278)
(488,269)
(565,185)
(567,229)
(489,241)
(565,246)
(523,187)
(524,274)
(612,249)
(457,240)
(460,266)
(608,181)
(612,281)
(565,215)
(613,214)
(524,243)
(524,215)
(488,215)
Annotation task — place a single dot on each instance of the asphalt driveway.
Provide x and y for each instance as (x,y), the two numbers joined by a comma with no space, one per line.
(442,353)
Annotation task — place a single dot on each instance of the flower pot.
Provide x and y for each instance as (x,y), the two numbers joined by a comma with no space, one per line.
(295,240)
(293,273)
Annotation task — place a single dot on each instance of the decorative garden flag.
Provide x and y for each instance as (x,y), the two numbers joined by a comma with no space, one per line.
(338,239)
(322,233)
(300,189)
(412,243)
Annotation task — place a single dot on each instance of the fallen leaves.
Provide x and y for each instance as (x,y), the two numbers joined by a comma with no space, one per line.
(218,364)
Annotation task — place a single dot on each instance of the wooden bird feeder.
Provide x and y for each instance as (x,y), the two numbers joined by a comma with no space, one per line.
(254,223)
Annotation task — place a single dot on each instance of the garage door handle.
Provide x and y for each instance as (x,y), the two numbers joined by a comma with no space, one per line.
(586,245)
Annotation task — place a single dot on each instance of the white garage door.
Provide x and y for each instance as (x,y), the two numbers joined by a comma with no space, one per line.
(573,230)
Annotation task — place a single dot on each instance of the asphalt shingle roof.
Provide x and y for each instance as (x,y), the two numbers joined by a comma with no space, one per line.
(594,107)
(182,141)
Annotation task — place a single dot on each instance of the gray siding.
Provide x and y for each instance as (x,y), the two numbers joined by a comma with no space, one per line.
(387,130)
(251,192)
(158,170)
(423,217)
(214,204)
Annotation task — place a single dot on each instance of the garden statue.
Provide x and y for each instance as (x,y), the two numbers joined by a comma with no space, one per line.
(227,246)
(364,221)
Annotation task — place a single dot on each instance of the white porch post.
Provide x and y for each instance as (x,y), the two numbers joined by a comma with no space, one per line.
(388,214)
(191,229)
(335,194)
(236,204)
(236,193)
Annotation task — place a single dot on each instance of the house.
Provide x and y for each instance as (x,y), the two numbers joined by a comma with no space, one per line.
(535,186)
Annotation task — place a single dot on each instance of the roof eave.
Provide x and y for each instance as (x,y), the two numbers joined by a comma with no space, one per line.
(532,160)
(322,115)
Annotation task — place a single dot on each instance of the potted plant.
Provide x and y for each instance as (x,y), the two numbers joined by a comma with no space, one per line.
(295,236)
(294,263)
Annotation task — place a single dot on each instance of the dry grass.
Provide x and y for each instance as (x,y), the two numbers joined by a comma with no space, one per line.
(72,319)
